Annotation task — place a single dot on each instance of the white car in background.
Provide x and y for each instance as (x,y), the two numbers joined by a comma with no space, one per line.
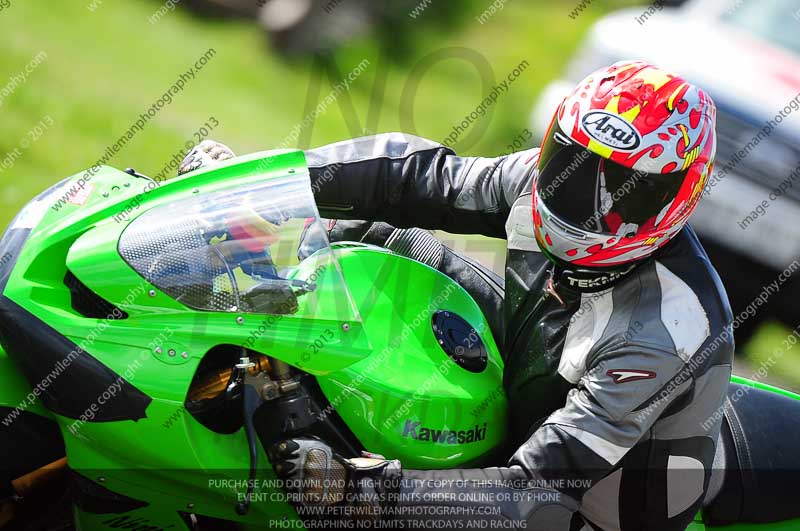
(746,54)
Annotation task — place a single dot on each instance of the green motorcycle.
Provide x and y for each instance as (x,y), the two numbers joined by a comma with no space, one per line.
(158,337)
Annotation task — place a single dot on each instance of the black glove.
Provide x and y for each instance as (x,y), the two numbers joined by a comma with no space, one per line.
(206,153)
(316,476)
(497,498)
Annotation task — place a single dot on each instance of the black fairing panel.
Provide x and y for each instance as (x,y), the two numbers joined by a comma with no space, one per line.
(41,351)
(27,442)
(96,499)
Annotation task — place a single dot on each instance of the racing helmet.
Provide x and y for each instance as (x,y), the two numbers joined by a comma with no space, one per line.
(622,166)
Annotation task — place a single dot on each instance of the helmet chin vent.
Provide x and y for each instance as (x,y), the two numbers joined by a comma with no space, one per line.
(88,303)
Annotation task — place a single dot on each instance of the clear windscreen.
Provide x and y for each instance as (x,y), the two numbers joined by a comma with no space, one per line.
(259,248)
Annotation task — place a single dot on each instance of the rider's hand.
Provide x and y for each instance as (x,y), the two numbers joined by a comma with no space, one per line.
(318,476)
(206,153)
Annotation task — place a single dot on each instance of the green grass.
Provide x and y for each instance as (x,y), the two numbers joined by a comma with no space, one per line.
(105,67)
(773,357)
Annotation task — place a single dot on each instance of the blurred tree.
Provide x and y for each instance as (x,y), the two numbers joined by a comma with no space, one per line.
(320,27)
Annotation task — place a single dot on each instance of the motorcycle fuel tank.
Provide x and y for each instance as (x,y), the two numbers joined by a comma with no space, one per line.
(431,391)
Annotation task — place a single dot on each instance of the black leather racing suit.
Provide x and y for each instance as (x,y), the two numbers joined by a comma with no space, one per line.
(613,385)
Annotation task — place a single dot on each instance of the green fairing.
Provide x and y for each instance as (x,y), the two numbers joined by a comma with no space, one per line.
(408,382)
(380,366)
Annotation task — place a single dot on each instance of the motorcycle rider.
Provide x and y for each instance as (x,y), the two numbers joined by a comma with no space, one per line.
(616,331)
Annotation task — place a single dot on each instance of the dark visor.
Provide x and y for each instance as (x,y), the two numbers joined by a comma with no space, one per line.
(592,193)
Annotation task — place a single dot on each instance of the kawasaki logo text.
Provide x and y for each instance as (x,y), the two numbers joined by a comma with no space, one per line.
(413,430)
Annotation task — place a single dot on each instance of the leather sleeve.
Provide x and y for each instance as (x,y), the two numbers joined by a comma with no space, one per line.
(623,394)
(409,181)
(573,450)
(488,498)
